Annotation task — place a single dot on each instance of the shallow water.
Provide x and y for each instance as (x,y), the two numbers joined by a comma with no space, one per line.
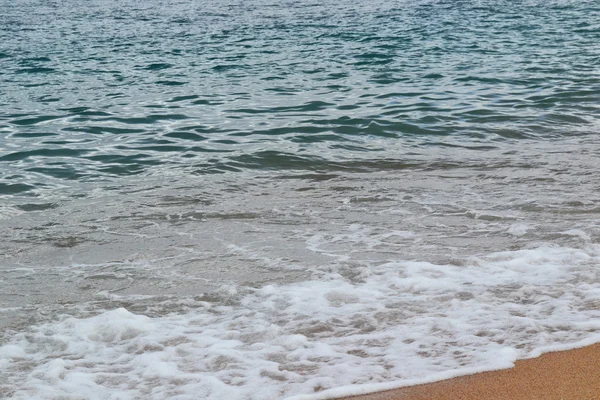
(261,200)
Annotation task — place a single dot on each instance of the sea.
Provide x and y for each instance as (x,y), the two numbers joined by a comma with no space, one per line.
(293,199)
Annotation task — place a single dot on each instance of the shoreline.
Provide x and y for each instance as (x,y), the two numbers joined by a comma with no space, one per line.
(565,374)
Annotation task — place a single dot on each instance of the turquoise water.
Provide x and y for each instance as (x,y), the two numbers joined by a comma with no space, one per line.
(257,200)
(105,90)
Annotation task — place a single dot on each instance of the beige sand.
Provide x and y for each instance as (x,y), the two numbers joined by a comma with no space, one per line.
(565,375)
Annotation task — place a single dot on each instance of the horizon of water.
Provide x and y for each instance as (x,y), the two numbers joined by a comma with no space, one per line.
(296,199)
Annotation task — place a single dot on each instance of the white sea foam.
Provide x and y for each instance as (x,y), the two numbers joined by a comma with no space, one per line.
(398,323)
(518,229)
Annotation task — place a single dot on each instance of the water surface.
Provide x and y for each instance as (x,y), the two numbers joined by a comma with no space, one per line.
(257,200)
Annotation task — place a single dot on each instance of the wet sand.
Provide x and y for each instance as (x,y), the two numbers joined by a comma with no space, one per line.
(565,375)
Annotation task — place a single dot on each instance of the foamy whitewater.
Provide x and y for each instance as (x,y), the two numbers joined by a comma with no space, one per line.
(400,322)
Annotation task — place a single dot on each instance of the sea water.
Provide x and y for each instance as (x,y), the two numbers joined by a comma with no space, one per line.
(293,199)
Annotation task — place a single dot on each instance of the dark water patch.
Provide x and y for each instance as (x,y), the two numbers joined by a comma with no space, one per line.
(433,76)
(187,216)
(218,216)
(492,119)
(308,107)
(162,148)
(139,159)
(34,85)
(310,177)
(337,75)
(510,133)
(206,102)
(44,153)
(14,115)
(186,136)
(481,112)
(32,134)
(383,79)
(338,88)
(36,206)
(373,56)
(214,167)
(68,242)
(85,111)
(581,95)
(207,130)
(161,107)
(198,149)
(289,162)
(146,139)
(14,188)
(122,170)
(35,120)
(183,201)
(308,128)
(270,160)
(35,70)
(283,91)
(353,148)
(266,160)
(378,127)
(46,99)
(373,62)
(177,99)
(227,67)
(564,119)
(53,143)
(466,147)
(171,83)
(182,21)
(273,78)
(150,119)
(313,71)
(99,130)
(316,138)
(394,95)
(157,66)
(32,60)
(67,172)
(116,95)
(348,107)
(225,141)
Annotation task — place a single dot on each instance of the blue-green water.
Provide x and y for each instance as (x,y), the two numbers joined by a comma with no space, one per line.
(254,199)
(95,91)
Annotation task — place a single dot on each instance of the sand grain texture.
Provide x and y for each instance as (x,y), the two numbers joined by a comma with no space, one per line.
(565,375)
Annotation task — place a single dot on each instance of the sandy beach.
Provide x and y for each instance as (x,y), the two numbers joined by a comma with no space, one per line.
(565,375)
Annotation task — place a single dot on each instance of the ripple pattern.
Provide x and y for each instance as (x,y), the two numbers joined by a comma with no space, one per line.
(111,90)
